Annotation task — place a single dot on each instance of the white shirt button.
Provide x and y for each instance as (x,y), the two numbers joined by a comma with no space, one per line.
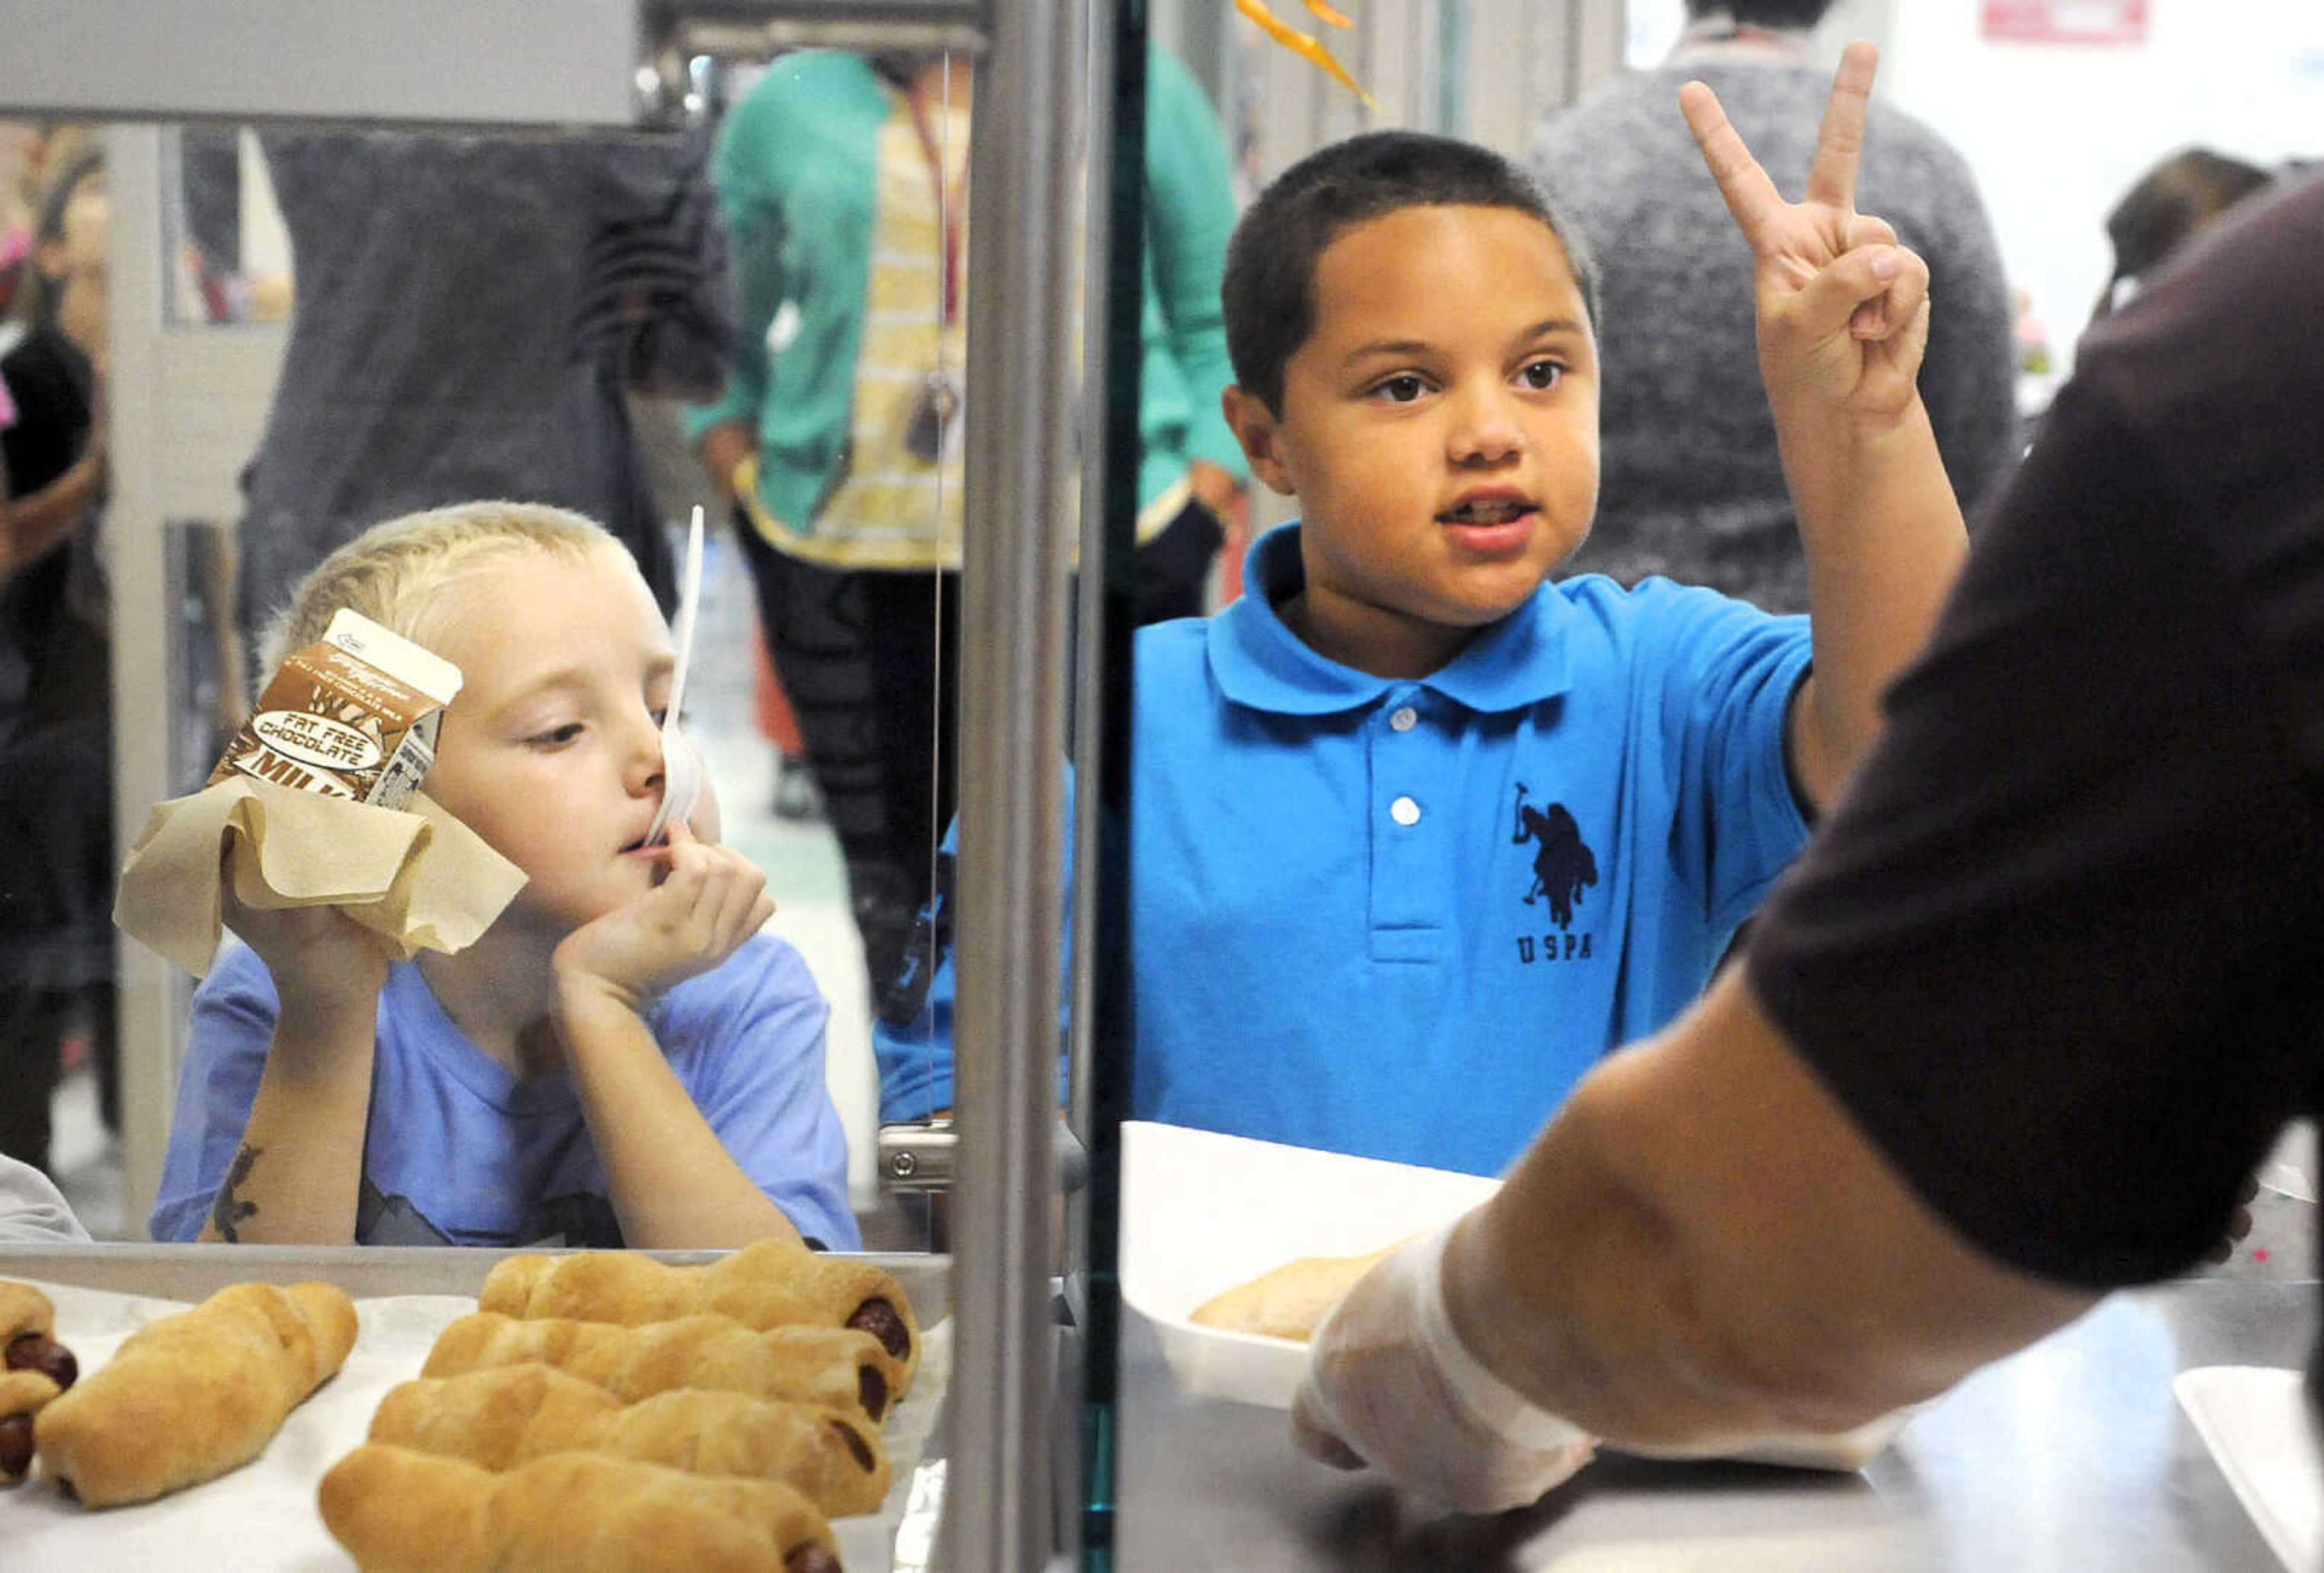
(1404,812)
(1405,719)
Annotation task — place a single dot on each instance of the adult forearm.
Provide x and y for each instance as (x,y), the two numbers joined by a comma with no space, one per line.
(1703,1249)
(298,1173)
(1609,1327)
(672,1182)
(1883,539)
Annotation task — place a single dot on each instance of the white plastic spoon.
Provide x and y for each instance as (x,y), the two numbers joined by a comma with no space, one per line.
(681,766)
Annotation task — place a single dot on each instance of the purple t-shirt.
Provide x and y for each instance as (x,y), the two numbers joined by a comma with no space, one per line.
(459,1151)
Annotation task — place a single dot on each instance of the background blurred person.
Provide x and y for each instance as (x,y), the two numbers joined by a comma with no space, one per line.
(469,312)
(2181,194)
(20,152)
(845,183)
(56,690)
(1692,486)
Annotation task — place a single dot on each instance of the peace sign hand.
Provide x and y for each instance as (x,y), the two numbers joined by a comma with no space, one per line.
(1843,310)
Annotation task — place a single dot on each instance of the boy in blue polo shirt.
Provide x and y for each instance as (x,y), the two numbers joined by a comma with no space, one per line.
(1417,836)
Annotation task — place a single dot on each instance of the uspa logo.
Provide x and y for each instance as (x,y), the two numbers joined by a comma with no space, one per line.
(316,740)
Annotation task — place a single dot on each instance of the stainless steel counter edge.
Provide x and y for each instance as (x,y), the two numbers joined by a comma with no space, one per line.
(2071,1456)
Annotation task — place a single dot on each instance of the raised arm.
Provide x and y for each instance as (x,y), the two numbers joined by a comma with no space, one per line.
(1843,322)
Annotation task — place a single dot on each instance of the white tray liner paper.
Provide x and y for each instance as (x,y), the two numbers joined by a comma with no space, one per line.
(263,1517)
(1203,1212)
(2256,1422)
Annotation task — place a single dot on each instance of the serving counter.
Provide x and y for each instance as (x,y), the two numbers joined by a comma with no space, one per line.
(2073,1455)
(262,1517)
(2070,1457)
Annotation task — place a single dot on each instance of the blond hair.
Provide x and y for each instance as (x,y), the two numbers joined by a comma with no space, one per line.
(402,574)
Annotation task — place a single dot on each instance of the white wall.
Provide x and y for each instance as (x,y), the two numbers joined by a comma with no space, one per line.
(1485,69)
(2057,133)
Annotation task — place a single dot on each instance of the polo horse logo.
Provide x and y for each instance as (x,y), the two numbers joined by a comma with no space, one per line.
(1563,868)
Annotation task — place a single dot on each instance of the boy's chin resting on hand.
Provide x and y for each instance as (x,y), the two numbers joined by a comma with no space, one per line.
(708,900)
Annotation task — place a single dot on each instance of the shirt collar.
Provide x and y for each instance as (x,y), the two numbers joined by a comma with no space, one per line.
(1720,37)
(1259,662)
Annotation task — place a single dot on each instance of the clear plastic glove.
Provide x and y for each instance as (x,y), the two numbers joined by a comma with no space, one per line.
(1391,1385)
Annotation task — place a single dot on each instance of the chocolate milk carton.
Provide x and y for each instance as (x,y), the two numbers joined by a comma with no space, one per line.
(354,716)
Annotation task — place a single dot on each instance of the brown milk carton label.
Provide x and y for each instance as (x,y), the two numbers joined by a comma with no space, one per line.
(354,716)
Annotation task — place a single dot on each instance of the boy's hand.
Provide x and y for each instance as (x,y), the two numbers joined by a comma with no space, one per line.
(712,899)
(1843,309)
(321,959)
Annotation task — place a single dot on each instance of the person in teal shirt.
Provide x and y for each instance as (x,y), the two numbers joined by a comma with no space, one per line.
(845,181)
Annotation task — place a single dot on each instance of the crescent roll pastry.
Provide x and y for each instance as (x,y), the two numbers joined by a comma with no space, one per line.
(193,1395)
(770,1284)
(27,1393)
(1289,1301)
(506,1416)
(22,1395)
(34,1369)
(397,1510)
(834,1366)
(24,1309)
(28,1328)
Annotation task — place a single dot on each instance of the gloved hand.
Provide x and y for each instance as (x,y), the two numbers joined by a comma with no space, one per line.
(1391,1385)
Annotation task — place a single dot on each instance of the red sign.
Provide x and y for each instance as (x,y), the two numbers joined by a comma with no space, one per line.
(2063,21)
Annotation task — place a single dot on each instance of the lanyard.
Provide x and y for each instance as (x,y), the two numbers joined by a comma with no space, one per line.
(950,201)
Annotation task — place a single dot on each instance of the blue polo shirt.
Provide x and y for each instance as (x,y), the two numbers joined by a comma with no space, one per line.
(1401,917)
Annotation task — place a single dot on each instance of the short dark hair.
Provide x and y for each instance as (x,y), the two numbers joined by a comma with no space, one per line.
(1269,288)
(1764,12)
(2169,204)
(2173,199)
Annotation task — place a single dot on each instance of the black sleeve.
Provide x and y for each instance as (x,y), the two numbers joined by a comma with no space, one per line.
(49,381)
(2060,951)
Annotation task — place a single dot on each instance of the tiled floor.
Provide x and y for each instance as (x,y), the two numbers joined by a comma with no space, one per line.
(804,874)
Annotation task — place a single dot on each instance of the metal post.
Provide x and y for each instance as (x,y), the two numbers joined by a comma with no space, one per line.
(1023,374)
(144,679)
(1104,981)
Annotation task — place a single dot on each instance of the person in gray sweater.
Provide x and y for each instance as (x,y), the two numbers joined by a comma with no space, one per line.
(470,309)
(1692,485)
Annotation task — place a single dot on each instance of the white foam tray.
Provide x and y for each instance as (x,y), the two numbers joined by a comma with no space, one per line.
(1202,1213)
(2256,1422)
